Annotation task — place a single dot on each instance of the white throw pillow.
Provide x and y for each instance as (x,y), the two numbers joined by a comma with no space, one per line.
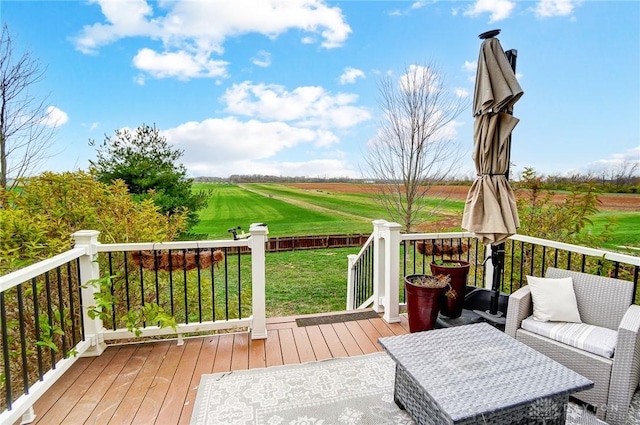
(553,299)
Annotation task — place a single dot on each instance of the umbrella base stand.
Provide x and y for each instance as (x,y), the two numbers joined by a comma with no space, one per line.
(494,316)
(498,320)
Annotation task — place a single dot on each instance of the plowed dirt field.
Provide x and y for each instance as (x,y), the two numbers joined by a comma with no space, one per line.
(610,201)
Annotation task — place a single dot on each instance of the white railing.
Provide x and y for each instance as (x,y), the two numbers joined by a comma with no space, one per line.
(83,267)
(581,250)
(256,321)
(358,274)
(390,250)
(10,286)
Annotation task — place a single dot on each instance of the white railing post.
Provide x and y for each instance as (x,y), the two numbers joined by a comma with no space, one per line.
(351,282)
(89,270)
(259,232)
(378,264)
(391,300)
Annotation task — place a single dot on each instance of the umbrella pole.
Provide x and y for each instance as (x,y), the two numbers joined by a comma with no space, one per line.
(497,258)
(497,251)
(493,316)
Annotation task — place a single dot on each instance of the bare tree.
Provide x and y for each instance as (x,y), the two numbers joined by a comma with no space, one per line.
(625,173)
(415,147)
(25,125)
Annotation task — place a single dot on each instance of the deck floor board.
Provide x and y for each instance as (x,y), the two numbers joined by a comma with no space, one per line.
(89,401)
(116,393)
(333,342)
(288,347)
(362,336)
(76,390)
(177,392)
(136,392)
(303,345)
(346,338)
(156,382)
(204,365)
(318,343)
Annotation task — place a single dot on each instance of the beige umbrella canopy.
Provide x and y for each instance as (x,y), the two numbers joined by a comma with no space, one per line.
(490,211)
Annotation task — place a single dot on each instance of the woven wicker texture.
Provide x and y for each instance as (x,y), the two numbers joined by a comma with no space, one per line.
(602,301)
(475,371)
(626,367)
(596,368)
(425,410)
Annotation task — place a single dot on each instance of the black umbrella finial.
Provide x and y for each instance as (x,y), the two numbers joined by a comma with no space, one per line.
(489,34)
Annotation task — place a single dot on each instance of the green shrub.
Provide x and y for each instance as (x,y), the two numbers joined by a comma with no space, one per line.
(38,222)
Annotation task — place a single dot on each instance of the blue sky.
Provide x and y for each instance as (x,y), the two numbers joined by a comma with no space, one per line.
(290,87)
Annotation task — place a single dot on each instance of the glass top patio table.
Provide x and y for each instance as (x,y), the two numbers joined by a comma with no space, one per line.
(474,371)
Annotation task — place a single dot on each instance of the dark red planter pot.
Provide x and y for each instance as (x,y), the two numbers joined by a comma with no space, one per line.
(423,305)
(452,307)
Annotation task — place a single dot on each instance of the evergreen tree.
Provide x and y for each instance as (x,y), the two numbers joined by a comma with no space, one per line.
(149,166)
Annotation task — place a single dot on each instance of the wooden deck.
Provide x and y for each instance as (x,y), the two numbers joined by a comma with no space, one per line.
(156,382)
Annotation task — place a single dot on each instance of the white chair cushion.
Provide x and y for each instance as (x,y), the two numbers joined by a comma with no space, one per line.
(594,339)
(553,299)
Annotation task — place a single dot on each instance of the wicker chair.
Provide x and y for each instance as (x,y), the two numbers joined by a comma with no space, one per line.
(603,302)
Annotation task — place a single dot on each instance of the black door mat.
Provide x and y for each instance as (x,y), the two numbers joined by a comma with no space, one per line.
(337,318)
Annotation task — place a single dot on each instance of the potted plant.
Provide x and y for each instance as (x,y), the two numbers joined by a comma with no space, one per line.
(457,271)
(424,298)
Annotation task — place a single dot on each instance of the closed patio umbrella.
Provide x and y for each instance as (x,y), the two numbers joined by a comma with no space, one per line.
(490,211)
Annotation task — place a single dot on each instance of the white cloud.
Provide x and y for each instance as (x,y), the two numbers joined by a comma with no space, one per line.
(410,79)
(350,75)
(307,40)
(222,139)
(550,8)
(335,167)
(220,147)
(462,92)
(54,117)
(442,133)
(181,65)
(280,122)
(92,126)
(262,59)
(309,106)
(414,6)
(498,9)
(325,168)
(191,31)
(628,157)
(470,66)
(632,154)
(124,19)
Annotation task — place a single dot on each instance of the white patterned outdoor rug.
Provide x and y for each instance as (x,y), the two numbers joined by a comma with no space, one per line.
(355,390)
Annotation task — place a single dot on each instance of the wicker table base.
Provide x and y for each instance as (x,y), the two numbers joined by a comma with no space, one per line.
(475,374)
(409,396)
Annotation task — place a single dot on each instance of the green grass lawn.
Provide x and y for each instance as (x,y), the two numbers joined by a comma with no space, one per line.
(361,205)
(291,211)
(323,212)
(305,282)
(626,229)
(232,205)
